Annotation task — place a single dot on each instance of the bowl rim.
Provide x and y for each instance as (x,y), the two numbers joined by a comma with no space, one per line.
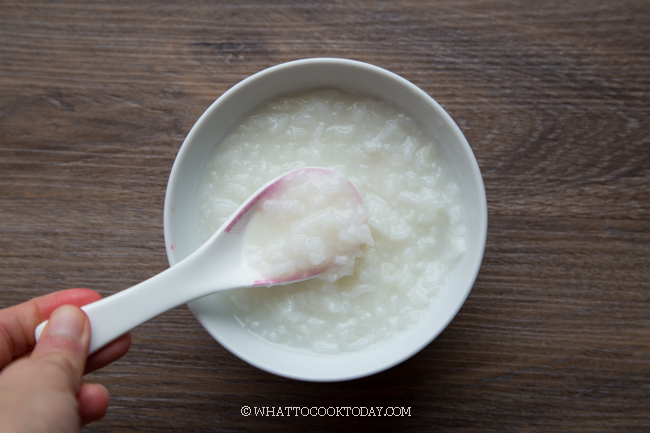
(465,150)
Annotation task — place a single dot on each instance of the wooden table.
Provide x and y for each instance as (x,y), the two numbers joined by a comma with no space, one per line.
(554,98)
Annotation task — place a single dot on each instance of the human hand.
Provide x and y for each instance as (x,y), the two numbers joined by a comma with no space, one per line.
(42,391)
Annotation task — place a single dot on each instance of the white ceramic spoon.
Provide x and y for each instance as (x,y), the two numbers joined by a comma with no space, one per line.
(216,266)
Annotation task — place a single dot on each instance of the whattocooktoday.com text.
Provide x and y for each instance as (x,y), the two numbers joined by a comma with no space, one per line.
(355,411)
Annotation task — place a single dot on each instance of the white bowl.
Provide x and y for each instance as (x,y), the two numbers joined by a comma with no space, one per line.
(181,207)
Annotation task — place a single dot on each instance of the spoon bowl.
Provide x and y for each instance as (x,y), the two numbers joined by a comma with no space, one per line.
(218,265)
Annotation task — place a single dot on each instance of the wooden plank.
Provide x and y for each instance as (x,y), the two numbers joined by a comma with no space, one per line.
(97,97)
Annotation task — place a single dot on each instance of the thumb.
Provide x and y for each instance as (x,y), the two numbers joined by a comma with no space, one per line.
(65,341)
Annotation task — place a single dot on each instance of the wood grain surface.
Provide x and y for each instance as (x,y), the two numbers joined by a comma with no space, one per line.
(554,97)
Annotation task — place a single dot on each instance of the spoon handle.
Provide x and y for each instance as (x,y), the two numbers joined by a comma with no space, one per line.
(195,277)
(115,315)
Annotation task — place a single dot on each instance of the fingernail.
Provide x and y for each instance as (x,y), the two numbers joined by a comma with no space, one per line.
(66,322)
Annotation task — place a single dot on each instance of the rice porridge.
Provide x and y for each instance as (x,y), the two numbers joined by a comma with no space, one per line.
(414,212)
(309,223)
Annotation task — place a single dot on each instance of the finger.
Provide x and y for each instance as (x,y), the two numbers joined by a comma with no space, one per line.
(93,402)
(108,354)
(104,356)
(17,323)
(46,304)
(65,342)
